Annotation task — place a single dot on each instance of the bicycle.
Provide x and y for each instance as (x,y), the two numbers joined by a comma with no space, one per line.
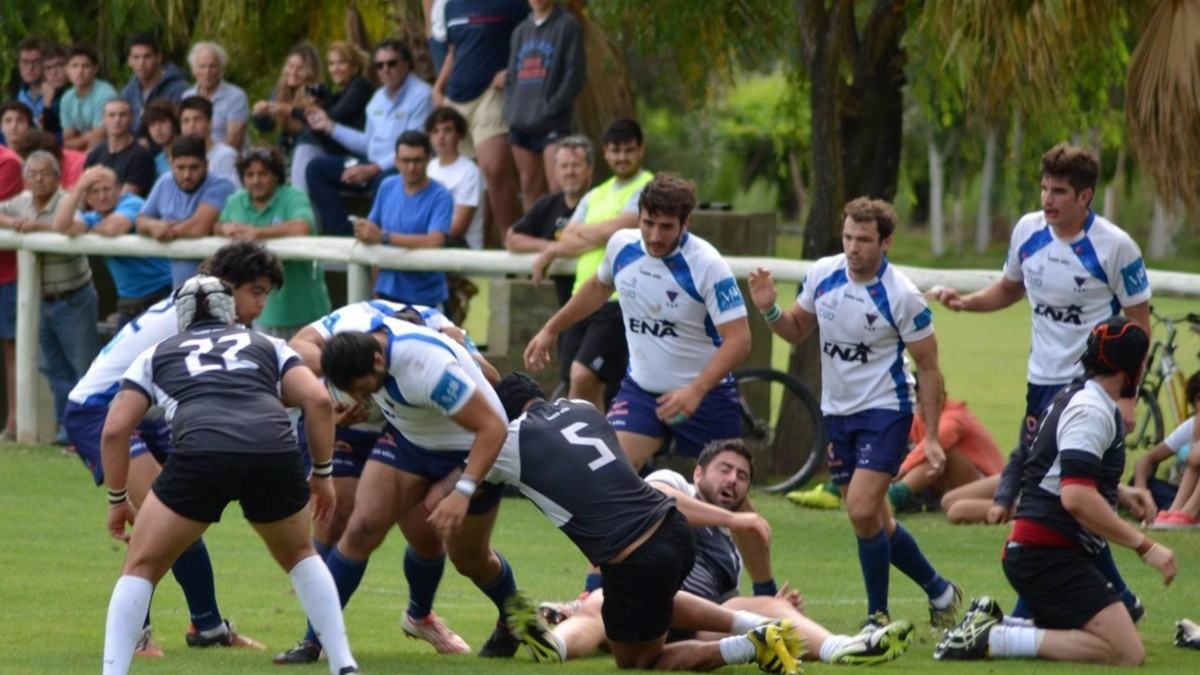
(1149,429)
(781,422)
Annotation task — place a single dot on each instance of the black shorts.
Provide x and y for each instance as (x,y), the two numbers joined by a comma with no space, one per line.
(639,591)
(597,342)
(199,486)
(1062,586)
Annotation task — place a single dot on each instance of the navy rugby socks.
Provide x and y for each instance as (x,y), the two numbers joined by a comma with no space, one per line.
(423,576)
(874,556)
(193,570)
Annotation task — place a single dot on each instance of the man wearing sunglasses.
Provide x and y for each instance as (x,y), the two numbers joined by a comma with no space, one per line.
(401,104)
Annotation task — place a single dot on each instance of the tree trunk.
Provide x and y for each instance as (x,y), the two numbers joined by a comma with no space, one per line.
(1112,193)
(797,184)
(1162,231)
(983,220)
(937,217)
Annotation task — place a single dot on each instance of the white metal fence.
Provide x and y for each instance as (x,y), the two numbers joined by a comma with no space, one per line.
(359,258)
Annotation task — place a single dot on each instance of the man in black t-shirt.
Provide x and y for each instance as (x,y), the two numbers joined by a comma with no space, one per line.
(543,223)
(565,457)
(120,151)
(220,387)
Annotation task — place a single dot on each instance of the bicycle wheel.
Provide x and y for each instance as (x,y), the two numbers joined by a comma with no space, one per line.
(1147,430)
(781,422)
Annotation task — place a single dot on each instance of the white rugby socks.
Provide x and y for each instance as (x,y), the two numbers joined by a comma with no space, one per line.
(1015,641)
(319,597)
(126,613)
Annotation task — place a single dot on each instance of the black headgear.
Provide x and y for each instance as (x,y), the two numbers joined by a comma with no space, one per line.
(1117,345)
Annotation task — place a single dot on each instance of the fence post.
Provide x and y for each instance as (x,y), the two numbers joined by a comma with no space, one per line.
(29,304)
(358,282)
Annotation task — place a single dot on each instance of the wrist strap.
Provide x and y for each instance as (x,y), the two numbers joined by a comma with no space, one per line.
(767,587)
(116,497)
(323,469)
(1145,547)
(772,315)
(466,486)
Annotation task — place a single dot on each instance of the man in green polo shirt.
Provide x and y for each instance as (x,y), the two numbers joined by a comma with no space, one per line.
(593,353)
(266,208)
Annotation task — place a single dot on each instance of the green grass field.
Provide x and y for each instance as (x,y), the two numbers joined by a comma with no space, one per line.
(58,565)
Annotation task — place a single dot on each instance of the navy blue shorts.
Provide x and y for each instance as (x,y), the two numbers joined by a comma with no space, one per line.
(536,142)
(396,451)
(1037,399)
(8,311)
(718,417)
(872,439)
(85,423)
(351,448)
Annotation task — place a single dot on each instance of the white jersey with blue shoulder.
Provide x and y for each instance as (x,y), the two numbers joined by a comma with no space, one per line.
(671,306)
(864,328)
(103,378)
(430,377)
(433,318)
(1072,285)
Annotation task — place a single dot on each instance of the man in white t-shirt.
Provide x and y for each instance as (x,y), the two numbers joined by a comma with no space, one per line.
(1077,269)
(868,314)
(195,119)
(446,129)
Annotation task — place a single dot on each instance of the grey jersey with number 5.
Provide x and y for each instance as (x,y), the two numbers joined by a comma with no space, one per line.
(565,457)
(219,388)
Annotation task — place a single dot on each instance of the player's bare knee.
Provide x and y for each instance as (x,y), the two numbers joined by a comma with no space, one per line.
(475,564)
(1134,655)
(360,538)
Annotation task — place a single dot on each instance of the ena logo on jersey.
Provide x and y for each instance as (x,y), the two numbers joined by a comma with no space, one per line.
(449,391)
(652,327)
(728,295)
(1134,277)
(1071,314)
(849,353)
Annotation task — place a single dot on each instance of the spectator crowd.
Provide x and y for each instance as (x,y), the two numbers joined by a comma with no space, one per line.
(363,147)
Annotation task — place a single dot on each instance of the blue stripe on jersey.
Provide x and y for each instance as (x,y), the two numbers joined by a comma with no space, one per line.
(830,283)
(626,257)
(1036,242)
(165,305)
(104,398)
(879,296)
(683,276)
(382,306)
(393,390)
(1086,253)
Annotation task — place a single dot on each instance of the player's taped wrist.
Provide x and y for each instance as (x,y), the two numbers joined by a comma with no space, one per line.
(117,497)
(1144,548)
(773,314)
(767,587)
(323,469)
(466,486)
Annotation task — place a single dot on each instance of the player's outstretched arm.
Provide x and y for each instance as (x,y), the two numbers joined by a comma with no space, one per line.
(1087,506)
(997,295)
(929,397)
(490,431)
(700,514)
(591,297)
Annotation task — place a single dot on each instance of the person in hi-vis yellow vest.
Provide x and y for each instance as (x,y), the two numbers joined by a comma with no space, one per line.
(593,354)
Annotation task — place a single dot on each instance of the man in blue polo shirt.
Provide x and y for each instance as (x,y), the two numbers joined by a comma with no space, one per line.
(96,204)
(185,203)
(413,211)
(402,103)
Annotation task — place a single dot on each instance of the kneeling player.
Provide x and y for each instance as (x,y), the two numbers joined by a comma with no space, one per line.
(1067,512)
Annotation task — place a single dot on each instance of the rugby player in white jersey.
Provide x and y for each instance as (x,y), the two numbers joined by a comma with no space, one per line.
(359,428)
(868,314)
(440,411)
(1077,269)
(252,271)
(685,322)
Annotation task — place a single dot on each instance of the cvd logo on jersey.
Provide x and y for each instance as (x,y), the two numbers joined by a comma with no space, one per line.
(728,295)
(1134,277)
(1072,314)
(652,327)
(856,353)
(449,391)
